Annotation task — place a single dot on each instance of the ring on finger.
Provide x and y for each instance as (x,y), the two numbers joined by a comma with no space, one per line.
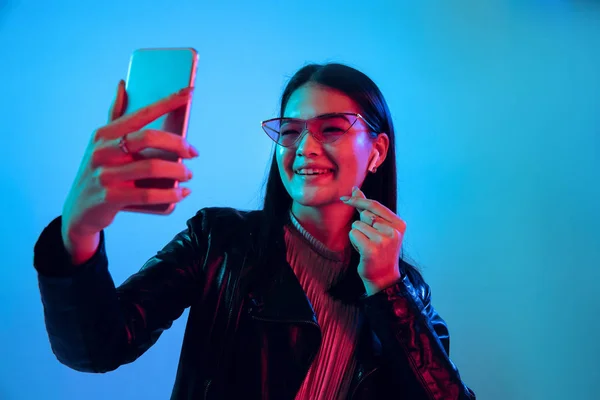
(373,219)
(123,144)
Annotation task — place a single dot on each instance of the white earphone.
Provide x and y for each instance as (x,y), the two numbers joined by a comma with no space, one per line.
(373,166)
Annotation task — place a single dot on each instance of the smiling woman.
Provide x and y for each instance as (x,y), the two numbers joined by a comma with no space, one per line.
(307,298)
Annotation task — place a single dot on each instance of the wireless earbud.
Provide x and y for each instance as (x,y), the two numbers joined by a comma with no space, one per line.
(373,166)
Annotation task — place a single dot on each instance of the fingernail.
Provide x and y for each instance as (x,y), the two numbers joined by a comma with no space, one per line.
(345,198)
(185,91)
(193,150)
(185,192)
(189,174)
(354,189)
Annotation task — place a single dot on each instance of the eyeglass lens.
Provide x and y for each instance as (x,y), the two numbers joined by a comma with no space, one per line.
(326,129)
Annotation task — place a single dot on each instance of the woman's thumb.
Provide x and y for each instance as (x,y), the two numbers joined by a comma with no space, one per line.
(120,103)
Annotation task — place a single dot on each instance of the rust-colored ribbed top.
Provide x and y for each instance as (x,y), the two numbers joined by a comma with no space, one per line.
(317,267)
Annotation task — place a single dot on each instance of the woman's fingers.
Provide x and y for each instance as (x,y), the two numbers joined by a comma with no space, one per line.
(124,196)
(142,117)
(367,217)
(143,169)
(109,153)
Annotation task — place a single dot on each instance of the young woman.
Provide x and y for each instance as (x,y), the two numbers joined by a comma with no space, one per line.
(307,298)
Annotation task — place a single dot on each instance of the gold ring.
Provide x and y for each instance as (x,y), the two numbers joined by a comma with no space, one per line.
(123,144)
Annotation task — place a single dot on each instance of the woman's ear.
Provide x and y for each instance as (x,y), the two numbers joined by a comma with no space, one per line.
(381,147)
(373,166)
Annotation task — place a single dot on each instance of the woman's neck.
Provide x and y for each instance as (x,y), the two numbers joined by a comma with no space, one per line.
(328,224)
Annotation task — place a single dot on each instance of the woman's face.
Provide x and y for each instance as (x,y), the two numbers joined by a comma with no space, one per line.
(349,157)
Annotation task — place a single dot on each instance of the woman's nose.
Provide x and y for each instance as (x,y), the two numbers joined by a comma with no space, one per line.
(307,143)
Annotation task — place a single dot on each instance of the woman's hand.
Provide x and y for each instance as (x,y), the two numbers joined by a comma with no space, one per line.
(378,239)
(104,184)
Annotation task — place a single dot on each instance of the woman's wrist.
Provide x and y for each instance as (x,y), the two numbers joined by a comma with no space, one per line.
(81,248)
(378,285)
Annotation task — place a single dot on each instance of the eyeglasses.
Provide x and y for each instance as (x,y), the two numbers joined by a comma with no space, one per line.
(326,128)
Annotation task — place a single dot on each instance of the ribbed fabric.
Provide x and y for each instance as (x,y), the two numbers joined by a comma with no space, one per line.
(317,267)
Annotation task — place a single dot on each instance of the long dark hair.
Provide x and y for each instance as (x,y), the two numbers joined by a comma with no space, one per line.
(380,186)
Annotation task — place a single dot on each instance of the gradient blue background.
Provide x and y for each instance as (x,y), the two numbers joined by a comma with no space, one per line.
(497,108)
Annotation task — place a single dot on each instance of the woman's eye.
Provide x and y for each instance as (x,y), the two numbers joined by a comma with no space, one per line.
(332,129)
(288,132)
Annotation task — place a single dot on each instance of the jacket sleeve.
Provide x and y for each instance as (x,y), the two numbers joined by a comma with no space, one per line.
(415,341)
(94,326)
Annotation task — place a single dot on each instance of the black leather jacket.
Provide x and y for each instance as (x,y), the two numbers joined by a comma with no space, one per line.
(250,344)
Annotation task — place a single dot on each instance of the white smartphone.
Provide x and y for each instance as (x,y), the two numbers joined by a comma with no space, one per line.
(154,74)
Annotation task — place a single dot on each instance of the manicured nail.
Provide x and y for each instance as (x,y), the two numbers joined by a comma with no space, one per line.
(185,192)
(354,189)
(345,198)
(192,150)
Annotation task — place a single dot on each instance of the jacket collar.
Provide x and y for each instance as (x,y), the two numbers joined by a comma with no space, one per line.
(279,296)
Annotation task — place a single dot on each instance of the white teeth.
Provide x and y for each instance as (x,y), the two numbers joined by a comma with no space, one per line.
(311,171)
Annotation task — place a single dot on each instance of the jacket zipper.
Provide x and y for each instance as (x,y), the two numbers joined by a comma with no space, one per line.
(206,389)
(237,281)
(365,376)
